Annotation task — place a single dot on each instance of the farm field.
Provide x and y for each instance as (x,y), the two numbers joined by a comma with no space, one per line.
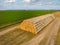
(20,37)
(47,36)
(57,40)
(15,37)
(12,16)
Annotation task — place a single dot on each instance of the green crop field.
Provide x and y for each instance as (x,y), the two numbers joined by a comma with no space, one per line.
(11,16)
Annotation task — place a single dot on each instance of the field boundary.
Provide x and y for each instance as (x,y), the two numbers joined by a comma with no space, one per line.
(10,24)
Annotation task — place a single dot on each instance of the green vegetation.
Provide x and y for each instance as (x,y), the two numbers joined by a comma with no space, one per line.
(10,16)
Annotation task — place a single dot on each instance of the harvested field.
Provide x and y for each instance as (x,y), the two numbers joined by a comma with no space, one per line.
(48,36)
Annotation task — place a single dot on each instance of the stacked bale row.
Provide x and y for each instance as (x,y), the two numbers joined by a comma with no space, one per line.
(35,24)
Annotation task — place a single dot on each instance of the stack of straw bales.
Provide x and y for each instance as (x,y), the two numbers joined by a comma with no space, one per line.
(34,25)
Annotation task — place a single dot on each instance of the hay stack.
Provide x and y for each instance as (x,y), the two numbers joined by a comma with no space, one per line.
(35,24)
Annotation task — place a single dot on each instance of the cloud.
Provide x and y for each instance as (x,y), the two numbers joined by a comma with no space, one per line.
(27,1)
(30,1)
(50,3)
(40,4)
(10,0)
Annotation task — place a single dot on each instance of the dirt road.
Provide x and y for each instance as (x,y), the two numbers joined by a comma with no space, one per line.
(8,29)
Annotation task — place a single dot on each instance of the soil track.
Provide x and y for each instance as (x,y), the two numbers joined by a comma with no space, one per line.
(8,29)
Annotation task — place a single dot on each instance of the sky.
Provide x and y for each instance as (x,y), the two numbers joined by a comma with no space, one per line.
(29,4)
